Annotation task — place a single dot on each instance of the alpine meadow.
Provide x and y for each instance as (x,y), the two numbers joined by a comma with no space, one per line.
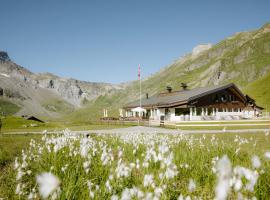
(135,100)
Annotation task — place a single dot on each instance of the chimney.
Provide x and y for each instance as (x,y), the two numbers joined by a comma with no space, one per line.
(147,96)
(169,89)
(184,86)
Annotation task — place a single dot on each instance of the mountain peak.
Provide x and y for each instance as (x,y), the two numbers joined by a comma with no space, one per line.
(4,56)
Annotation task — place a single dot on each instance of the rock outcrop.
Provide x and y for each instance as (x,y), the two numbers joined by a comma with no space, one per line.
(200,49)
(4,56)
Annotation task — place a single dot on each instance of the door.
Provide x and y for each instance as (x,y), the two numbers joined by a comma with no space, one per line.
(167,114)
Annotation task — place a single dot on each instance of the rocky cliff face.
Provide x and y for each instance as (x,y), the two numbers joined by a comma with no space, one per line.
(23,87)
(73,91)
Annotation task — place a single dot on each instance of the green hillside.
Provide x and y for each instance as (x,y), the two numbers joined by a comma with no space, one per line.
(242,59)
(8,108)
(58,106)
(260,90)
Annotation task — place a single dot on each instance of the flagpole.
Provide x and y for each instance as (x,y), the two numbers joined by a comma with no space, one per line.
(140,92)
(139,73)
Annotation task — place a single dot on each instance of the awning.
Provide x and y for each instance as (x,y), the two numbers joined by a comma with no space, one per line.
(138,109)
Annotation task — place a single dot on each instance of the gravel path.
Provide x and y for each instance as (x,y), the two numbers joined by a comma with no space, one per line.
(150,130)
(144,129)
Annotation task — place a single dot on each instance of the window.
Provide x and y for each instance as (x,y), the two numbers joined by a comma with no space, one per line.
(178,111)
(181,111)
(199,111)
(216,98)
(224,98)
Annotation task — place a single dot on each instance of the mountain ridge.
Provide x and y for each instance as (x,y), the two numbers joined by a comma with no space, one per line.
(242,58)
(46,94)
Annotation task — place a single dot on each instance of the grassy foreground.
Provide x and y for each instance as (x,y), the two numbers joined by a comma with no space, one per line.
(136,166)
(10,147)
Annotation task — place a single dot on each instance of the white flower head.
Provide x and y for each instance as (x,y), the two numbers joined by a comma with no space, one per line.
(48,183)
(191,185)
(267,154)
(114,197)
(148,180)
(256,163)
(224,170)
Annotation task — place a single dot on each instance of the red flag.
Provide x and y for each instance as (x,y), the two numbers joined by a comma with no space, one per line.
(139,72)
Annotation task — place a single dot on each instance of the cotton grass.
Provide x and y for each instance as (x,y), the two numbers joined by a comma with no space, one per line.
(141,166)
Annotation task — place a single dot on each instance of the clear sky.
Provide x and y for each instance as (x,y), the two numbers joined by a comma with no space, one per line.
(105,41)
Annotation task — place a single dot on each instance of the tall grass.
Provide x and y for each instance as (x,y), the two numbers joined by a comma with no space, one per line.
(143,166)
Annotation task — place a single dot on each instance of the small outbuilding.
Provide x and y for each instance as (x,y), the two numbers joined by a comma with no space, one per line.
(33,118)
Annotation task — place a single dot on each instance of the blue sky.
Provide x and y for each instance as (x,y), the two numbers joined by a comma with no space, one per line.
(105,41)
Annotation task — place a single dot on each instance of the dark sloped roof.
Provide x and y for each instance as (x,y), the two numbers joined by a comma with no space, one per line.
(180,97)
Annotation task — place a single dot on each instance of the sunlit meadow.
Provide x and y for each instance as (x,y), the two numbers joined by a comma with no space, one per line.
(144,166)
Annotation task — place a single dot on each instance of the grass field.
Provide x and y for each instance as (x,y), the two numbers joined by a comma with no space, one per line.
(11,147)
(136,166)
(18,124)
(221,125)
(217,127)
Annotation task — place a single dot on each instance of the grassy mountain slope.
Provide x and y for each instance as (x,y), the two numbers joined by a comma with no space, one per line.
(260,90)
(8,108)
(242,58)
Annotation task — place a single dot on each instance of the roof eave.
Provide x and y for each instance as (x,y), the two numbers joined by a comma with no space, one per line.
(216,90)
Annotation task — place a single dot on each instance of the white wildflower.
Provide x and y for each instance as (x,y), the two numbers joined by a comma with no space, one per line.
(224,173)
(251,176)
(158,191)
(16,164)
(108,186)
(148,180)
(256,163)
(114,197)
(18,189)
(31,195)
(188,198)
(238,185)
(237,150)
(19,174)
(180,197)
(191,185)
(267,154)
(48,183)
(126,194)
(86,165)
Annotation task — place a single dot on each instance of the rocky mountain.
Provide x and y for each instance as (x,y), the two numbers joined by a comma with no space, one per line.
(242,58)
(46,94)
